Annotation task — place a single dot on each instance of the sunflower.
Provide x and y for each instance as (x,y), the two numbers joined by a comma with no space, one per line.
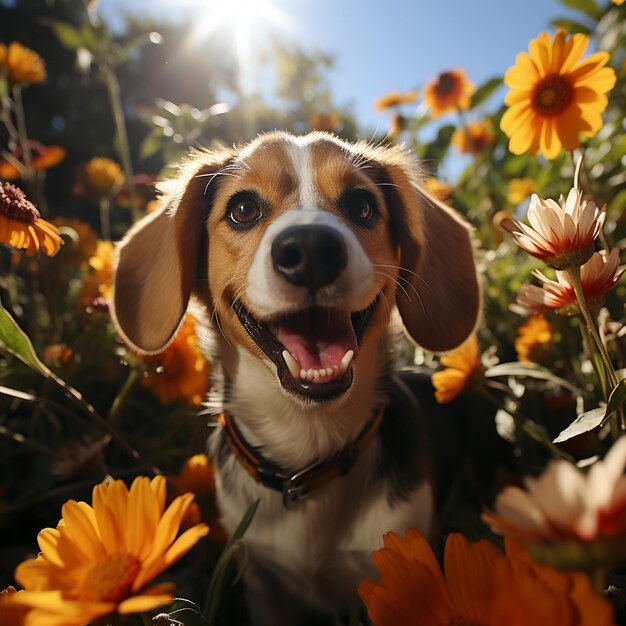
(598,275)
(473,138)
(532,338)
(479,585)
(519,189)
(394,99)
(22,64)
(448,92)
(196,476)
(397,124)
(555,97)
(181,370)
(21,225)
(98,178)
(460,365)
(101,559)
(42,158)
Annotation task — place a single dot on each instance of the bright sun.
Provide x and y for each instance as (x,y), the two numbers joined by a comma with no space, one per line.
(247,20)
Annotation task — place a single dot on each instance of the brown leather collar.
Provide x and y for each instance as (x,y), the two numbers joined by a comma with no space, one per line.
(296,486)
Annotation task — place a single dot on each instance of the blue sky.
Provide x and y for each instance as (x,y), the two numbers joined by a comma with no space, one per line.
(380,46)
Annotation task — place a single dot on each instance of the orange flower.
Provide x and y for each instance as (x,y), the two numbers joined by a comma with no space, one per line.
(473,138)
(479,585)
(21,225)
(43,157)
(182,372)
(23,65)
(564,503)
(562,236)
(98,178)
(554,96)
(618,2)
(519,189)
(532,337)
(328,121)
(394,99)
(449,91)
(461,364)
(598,275)
(11,613)
(102,559)
(145,190)
(196,476)
(397,125)
(438,188)
(81,240)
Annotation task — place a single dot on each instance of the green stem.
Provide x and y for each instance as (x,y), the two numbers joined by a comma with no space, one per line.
(574,276)
(113,89)
(17,437)
(535,431)
(105,219)
(121,397)
(20,120)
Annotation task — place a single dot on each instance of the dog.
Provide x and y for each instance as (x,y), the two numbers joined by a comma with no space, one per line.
(300,250)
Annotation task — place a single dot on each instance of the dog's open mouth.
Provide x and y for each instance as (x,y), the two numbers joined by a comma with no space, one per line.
(312,349)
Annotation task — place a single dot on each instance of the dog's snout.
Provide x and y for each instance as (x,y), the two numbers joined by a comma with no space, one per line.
(310,256)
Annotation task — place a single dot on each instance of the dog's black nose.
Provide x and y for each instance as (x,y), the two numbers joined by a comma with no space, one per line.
(310,256)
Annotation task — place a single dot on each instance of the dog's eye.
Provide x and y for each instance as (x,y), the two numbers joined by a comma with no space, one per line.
(361,208)
(244,212)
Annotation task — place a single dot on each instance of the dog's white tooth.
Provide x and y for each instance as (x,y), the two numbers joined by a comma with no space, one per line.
(345,362)
(329,371)
(316,374)
(292,364)
(303,374)
(309,374)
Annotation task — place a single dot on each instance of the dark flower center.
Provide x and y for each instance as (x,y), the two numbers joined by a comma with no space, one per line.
(15,205)
(446,84)
(552,95)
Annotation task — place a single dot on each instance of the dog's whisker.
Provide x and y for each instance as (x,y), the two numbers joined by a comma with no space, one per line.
(408,271)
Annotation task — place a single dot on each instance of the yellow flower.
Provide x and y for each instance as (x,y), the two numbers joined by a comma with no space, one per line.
(450,91)
(598,275)
(479,585)
(21,225)
(81,240)
(23,65)
(519,189)
(554,96)
(102,264)
(460,365)
(438,188)
(43,157)
(618,2)
(473,138)
(182,372)
(394,99)
(101,559)
(11,613)
(562,236)
(196,476)
(564,503)
(532,337)
(98,178)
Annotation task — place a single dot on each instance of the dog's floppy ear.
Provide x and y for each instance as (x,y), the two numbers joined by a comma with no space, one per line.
(438,295)
(157,262)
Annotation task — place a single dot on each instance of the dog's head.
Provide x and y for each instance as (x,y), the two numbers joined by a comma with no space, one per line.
(299,247)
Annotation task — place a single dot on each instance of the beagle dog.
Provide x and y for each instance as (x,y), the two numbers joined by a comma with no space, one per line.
(299,251)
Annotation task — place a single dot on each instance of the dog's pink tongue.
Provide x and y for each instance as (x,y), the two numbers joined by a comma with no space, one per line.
(318,338)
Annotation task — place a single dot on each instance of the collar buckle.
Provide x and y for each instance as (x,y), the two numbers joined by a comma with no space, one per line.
(295,489)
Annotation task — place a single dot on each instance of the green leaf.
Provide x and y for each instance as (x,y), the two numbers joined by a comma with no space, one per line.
(588,7)
(234,545)
(530,370)
(15,340)
(582,424)
(571,26)
(68,35)
(484,91)
(151,144)
(617,398)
